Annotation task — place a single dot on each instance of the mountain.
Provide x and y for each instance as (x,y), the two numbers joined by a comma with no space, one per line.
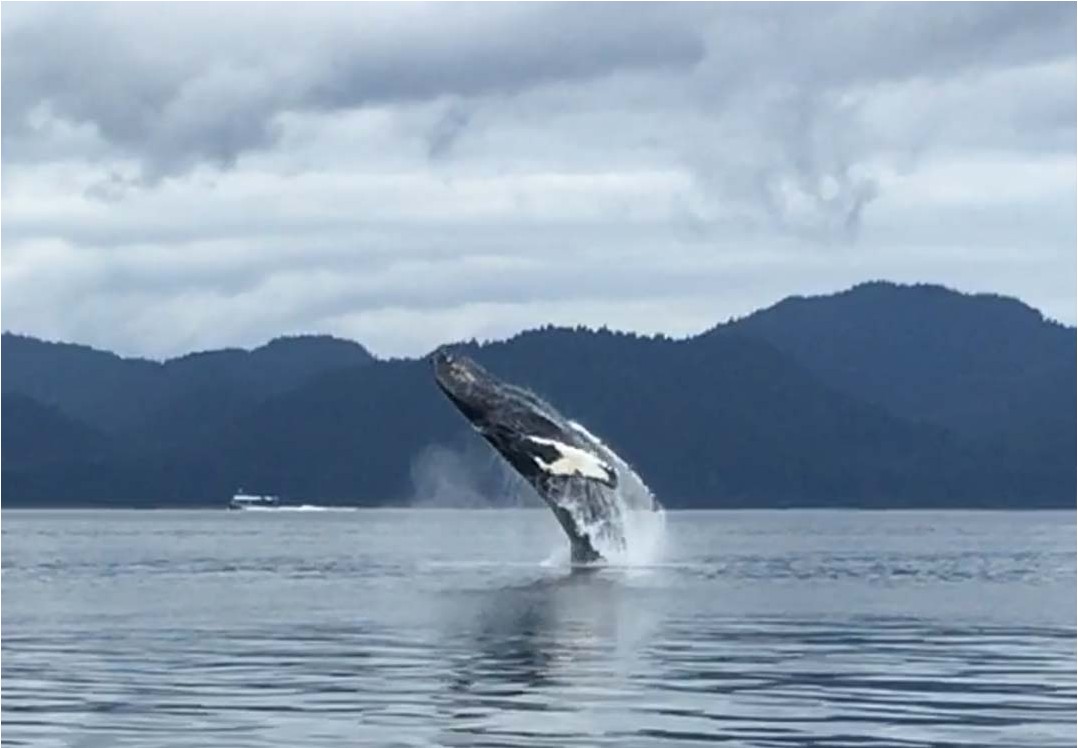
(38,435)
(882,395)
(117,394)
(92,386)
(979,364)
(989,368)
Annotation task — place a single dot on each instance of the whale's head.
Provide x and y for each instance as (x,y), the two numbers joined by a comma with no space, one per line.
(494,407)
(539,442)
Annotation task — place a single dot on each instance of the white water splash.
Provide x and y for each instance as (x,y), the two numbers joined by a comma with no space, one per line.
(467,475)
(300,508)
(642,518)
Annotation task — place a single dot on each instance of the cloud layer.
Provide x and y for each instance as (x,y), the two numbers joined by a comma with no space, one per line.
(191,175)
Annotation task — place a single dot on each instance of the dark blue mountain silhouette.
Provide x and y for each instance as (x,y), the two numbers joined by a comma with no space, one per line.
(883,395)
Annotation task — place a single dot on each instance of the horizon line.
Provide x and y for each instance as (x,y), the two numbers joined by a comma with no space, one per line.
(549,326)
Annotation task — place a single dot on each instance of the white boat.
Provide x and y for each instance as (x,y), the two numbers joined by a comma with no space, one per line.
(253,501)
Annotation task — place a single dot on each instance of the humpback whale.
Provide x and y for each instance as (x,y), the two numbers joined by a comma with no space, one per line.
(577,476)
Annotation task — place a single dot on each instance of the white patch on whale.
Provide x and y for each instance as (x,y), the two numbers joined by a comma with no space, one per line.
(572,461)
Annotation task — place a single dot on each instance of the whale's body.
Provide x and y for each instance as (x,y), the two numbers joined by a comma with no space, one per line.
(574,473)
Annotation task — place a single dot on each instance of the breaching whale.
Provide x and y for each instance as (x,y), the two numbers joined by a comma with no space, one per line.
(574,473)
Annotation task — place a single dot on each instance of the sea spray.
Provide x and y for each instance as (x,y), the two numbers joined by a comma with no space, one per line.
(467,475)
(642,517)
(629,529)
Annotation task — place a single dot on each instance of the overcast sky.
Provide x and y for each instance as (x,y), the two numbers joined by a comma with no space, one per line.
(181,177)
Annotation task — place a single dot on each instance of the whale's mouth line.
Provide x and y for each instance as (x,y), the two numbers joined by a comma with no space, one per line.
(576,475)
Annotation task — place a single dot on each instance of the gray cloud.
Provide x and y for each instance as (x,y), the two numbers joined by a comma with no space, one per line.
(195,82)
(447,129)
(814,45)
(200,174)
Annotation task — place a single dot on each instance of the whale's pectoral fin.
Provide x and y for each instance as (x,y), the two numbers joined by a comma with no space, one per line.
(561,460)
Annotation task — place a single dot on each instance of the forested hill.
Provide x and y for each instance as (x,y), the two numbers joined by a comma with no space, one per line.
(883,395)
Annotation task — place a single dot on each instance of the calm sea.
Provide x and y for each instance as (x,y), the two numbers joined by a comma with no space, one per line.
(461,628)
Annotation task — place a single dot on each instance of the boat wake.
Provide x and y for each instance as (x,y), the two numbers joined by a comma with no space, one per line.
(300,508)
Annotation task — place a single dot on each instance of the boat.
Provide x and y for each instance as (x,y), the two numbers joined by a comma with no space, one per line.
(253,501)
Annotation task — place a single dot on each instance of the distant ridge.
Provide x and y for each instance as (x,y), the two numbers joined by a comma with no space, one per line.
(973,362)
(878,396)
(114,393)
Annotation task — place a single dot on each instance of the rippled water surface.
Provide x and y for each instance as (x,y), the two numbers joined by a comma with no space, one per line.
(433,627)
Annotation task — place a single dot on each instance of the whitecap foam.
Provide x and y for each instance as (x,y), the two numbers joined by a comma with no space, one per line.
(300,508)
(639,514)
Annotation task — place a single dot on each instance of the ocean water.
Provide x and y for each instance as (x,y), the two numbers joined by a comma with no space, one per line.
(461,628)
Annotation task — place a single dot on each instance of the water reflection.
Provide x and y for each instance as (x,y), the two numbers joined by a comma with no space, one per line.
(585,659)
(362,632)
(522,651)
